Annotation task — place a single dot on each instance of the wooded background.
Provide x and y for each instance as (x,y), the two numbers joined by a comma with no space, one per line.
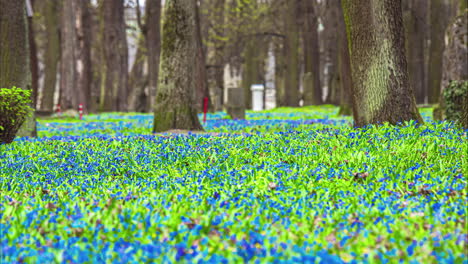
(105,54)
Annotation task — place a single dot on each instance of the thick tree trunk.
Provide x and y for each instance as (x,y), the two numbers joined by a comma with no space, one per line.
(174,107)
(153,42)
(439,19)
(115,56)
(415,12)
(52,53)
(291,46)
(312,89)
(70,95)
(14,54)
(380,76)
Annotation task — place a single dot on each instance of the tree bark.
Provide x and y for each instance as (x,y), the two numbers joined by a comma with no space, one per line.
(291,45)
(279,75)
(415,12)
(313,90)
(115,56)
(52,54)
(33,58)
(14,54)
(153,42)
(174,107)
(97,58)
(201,79)
(70,95)
(83,54)
(331,51)
(250,74)
(455,69)
(382,91)
(138,79)
(75,63)
(439,19)
(344,65)
(218,54)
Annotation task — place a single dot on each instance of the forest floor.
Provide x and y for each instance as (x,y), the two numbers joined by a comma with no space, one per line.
(283,186)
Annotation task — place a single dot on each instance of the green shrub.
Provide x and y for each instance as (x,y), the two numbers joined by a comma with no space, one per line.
(455,95)
(14,109)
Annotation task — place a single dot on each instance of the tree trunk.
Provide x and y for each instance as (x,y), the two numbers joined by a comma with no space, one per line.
(96,58)
(344,65)
(138,79)
(279,75)
(174,107)
(291,45)
(455,70)
(14,54)
(331,51)
(201,79)
(153,42)
(115,56)
(52,53)
(75,63)
(382,91)
(439,19)
(312,89)
(33,59)
(249,71)
(415,12)
(83,54)
(70,95)
(218,54)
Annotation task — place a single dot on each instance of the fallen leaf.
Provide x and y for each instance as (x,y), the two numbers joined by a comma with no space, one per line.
(272,186)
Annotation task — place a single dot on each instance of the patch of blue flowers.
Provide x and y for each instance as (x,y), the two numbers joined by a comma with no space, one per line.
(310,190)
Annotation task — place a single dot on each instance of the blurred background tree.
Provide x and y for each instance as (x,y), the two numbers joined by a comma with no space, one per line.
(104,54)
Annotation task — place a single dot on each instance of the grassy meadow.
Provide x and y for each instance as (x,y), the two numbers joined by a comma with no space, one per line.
(283,186)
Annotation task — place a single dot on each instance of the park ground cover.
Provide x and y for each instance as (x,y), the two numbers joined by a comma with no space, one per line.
(289,185)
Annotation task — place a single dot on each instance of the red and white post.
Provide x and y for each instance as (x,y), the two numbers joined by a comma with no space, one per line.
(205,108)
(58,110)
(80,111)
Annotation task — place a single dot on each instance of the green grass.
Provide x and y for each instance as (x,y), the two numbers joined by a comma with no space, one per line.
(263,190)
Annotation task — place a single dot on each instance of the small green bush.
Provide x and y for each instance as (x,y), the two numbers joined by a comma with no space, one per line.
(455,96)
(14,109)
